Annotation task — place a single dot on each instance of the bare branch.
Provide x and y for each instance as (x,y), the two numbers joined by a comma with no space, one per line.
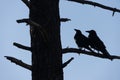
(27,3)
(22,20)
(36,25)
(28,21)
(19,62)
(74,50)
(67,62)
(22,46)
(97,4)
(64,19)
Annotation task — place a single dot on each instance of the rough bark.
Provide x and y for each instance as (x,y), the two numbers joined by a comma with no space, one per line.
(46,47)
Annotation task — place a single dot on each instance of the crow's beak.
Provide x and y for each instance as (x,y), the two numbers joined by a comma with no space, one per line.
(87,31)
(75,29)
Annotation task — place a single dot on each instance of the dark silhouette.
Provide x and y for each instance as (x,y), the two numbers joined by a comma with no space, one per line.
(44,20)
(81,40)
(96,42)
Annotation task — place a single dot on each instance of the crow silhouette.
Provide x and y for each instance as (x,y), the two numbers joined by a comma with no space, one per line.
(81,40)
(96,42)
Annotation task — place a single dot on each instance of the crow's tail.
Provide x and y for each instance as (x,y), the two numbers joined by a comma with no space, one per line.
(106,53)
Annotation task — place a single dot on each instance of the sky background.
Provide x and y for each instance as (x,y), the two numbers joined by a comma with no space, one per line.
(84,17)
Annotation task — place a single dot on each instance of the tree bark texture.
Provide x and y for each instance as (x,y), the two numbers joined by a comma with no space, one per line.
(45,41)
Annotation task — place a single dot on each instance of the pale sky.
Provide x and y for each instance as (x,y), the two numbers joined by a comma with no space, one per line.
(83,17)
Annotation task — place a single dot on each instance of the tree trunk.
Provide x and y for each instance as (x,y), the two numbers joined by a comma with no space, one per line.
(46,43)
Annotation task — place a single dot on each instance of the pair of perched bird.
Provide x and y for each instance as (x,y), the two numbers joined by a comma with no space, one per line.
(90,42)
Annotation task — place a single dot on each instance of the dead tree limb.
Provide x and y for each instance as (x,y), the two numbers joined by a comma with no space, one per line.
(22,46)
(35,25)
(97,4)
(30,22)
(74,50)
(67,62)
(64,19)
(19,62)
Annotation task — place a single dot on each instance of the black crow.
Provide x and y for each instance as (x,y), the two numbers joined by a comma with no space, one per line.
(81,40)
(96,42)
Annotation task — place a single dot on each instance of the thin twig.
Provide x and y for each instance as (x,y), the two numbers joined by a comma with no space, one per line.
(28,21)
(78,51)
(19,62)
(67,62)
(22,46)
(64,19)
(98,5)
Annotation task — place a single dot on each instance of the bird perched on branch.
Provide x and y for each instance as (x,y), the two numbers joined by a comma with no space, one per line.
(96,42)
(81,40)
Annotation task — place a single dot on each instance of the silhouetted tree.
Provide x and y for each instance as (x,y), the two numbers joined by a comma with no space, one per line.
(44,21)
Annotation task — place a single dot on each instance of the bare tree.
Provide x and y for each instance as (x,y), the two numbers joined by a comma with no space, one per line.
(44,21)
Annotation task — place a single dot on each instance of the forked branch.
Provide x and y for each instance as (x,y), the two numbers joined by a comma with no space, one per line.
(78,51)
(19,62)
(98,5)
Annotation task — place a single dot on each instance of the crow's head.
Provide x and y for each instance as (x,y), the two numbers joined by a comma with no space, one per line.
(91,32)
(78,31)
